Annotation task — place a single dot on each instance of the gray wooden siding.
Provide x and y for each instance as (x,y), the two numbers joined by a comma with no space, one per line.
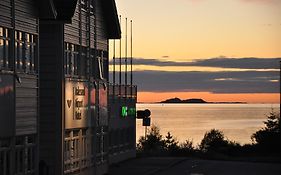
(25,16)
(5,13)
(26,20)
(102,41)
(76,32)
(72,31)
(26,105)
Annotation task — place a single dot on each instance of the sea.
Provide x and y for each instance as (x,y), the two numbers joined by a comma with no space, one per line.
(191,121)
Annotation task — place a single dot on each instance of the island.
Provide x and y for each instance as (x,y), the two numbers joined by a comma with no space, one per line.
(178,100)
(196,100)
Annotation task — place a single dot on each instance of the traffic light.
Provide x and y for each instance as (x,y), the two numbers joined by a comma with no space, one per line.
(141,114)
(128,111)
(146,121)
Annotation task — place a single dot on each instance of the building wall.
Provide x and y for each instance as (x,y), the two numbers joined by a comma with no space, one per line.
(72,89)
(74,71)
(122,124)
(19,67)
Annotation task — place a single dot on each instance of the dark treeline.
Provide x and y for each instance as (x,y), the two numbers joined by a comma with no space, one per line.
(214,145)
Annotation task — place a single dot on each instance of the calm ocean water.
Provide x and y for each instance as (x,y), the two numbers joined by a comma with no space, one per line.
(191,121)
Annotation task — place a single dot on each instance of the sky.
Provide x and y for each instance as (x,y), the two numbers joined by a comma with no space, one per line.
(218,50)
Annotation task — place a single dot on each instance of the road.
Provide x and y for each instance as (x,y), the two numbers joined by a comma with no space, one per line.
(188,166)
(211,167)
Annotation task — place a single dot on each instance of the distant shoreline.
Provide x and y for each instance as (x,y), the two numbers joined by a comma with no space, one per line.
(204,103)
(210,103)
(195,101)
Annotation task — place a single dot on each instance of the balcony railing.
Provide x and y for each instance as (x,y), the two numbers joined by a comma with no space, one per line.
(122,91)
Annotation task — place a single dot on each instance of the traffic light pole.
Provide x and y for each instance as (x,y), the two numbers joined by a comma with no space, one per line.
(145,133)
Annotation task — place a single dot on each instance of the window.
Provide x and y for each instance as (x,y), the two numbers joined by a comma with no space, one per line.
(93,63)
(5,50)
(5,156)
(30,52)
(26,52)
(19,50)
(100,65)
(84,5)
(25,155)
(76,150)
(82,63)
(92,10)
(75,60)
(105,64)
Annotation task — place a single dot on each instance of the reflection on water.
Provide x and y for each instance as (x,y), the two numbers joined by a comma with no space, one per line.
(191,121)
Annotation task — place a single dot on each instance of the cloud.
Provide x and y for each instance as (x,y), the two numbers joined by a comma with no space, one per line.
(222,62)
(215,82)
(261,1)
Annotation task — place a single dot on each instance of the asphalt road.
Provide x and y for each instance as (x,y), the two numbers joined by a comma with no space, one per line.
(188,166)
(211,167)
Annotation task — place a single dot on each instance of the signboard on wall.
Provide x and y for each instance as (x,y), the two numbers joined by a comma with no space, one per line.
(7,106)
(76,104)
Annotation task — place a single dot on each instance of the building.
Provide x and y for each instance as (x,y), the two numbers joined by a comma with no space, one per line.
(122,122)
(19,29)
(59,114)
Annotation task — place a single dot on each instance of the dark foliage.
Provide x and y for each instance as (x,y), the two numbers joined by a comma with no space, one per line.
(267,139)
(214,145)
(213,141)
(156,145)
(153,143)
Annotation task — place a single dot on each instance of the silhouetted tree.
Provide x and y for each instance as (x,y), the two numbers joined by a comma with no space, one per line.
(213,141)
(171,144)
(153,142)
(267,139)
(187,145)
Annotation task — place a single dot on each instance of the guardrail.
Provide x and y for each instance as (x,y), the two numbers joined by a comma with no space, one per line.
(122,91)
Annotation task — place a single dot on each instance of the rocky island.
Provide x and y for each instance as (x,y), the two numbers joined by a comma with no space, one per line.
(196,100)
(178,100)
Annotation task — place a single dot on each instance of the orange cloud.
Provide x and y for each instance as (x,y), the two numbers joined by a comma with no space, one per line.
(210,97)
(262,1)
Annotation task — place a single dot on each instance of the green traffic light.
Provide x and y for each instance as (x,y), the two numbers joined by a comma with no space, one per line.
(125,111)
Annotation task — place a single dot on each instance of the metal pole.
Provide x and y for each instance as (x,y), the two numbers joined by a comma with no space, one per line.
(280,98)
(120,61)
(145,133)
(126,58)
(113,86)
(113,64)
(131,58)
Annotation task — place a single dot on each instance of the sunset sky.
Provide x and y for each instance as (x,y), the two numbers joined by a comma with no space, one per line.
(218,50)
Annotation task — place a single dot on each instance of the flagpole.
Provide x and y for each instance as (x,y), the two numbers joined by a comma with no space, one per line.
(120,61)
(126,56)
(113,86)
(131,58)
(113,63)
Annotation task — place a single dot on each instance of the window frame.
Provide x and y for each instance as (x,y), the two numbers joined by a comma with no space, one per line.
(5,55)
